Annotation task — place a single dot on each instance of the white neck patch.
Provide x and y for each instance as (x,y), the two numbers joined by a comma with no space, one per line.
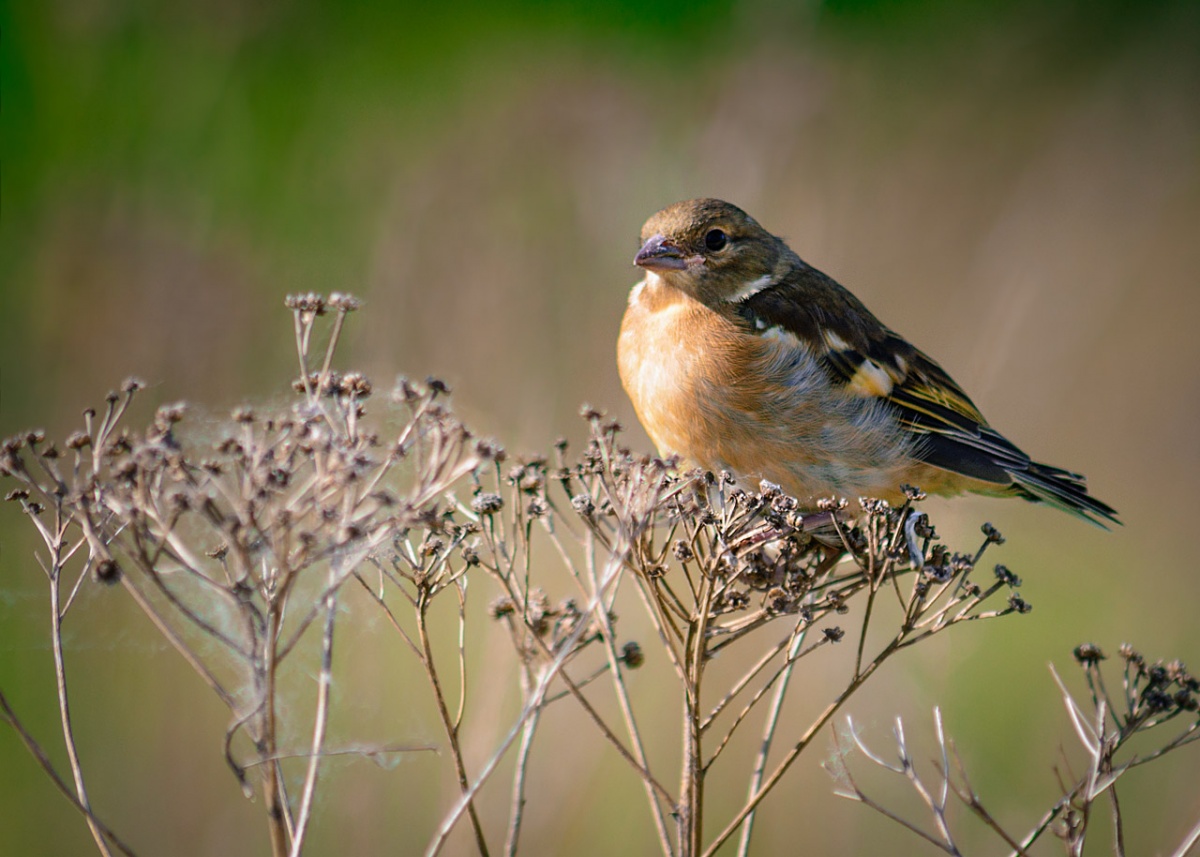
(750,289)
(651,280)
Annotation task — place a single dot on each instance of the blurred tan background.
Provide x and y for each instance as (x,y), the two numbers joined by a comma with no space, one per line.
(1013,186)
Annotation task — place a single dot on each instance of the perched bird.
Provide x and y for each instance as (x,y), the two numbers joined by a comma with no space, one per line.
(740,356)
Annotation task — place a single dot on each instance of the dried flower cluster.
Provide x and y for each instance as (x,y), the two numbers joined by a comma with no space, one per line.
(1153,698)
(239,549)
(245,541)
(716,563)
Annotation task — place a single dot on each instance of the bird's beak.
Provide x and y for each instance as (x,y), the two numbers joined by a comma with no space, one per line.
(659,254)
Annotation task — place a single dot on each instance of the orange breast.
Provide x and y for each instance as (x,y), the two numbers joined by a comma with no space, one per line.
(759,405)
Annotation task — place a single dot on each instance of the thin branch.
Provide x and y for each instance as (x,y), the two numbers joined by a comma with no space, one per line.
(608,635)
(324,680)
(780,769)
(64,708)
(857,794)
(47,766)
(967,794)
(448,724)
(769,728)
(517,804)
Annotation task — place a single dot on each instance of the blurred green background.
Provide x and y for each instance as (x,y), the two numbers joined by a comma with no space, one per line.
(1013,186)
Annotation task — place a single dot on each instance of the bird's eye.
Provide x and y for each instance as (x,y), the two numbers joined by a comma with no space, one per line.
(716,240)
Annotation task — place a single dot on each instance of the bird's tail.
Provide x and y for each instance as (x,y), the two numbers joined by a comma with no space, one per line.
(1065,490)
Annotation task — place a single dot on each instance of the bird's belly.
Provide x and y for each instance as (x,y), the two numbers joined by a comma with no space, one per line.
(759,406)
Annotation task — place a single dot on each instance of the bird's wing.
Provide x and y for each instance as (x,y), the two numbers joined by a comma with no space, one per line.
(873,361)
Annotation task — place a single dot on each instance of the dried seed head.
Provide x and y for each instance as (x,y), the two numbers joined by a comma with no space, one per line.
(992,534)
(501,607)
(437,386)
(632,655)
(404,391)
(1088,653)
(344,302)
(432,546)
(583,504)
(683,551)
(1156,700)
(1019,604)
(768,490)
(354,384)
(531,480)
(231,446)
(1178,673)
(308,302)
(834,634)
(961,564)
(107,571)
(1006,576)
(783,504)
(913,494)
(591,414)
(487,503)
(78,440)
(17,494)
(736,599)
(488,450)
(776,600)
(923,528)
(167,415)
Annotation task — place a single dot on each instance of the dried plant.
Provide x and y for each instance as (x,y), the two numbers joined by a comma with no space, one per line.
(1153,699)
(240,552)
(714,564)
(245,545)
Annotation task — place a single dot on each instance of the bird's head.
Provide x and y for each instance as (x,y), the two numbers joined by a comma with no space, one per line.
(710,250)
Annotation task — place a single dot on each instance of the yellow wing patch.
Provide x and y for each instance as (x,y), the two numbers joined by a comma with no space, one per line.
(871,379)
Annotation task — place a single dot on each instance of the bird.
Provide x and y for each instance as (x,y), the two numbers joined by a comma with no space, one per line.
(739,356)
